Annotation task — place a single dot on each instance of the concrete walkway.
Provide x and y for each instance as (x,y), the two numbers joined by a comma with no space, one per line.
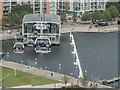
(69,28)
(44,73)
(58,85)
(104,29)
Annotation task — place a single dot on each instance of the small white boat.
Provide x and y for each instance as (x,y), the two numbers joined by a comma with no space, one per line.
(42,45)
(30,42)
(18,47)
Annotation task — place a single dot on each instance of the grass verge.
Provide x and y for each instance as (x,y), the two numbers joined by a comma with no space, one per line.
(22,78)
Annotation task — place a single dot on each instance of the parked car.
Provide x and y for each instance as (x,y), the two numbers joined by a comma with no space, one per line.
(102,24)
(96,25)
(94,21)
(118,22)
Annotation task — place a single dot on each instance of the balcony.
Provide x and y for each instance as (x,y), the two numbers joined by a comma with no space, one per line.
(7,5)
(7,9)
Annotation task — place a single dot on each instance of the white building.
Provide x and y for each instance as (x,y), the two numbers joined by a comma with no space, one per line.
(55,6)
(35,25)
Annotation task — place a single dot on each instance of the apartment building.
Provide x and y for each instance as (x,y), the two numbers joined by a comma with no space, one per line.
(45,6)
(6,5)
(1,9)
(54,6)
(39,6)
(22,2)
(80,6)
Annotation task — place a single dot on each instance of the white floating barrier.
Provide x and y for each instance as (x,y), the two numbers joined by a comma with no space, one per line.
(77,62)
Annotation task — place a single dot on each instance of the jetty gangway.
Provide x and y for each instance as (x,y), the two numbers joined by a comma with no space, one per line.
(77,61)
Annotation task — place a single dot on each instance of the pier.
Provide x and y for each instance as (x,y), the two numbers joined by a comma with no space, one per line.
(115,79)
(74,52)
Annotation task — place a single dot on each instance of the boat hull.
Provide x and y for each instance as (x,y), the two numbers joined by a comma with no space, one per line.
(18,52)
(41,51)
(30,45)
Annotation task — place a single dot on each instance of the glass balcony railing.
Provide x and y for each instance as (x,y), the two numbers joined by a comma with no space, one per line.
(5,9)
(6,5)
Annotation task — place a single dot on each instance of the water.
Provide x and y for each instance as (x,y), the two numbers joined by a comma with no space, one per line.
(60,55)
(98,54)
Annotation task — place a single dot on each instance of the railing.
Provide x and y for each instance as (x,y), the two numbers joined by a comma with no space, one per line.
(74,52)
(115,79)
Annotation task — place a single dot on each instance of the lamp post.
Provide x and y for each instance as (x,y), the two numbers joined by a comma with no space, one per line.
(8,55)
(35,64)
(114,81)
(85,72)
(85,78)
(59,68)
(71,78)
(35,61)
(22,65)
(46,71)
(45,68)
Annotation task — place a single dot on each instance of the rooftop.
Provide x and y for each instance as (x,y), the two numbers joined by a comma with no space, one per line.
(41,17)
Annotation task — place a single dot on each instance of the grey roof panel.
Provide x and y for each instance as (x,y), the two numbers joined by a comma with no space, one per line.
(41,17)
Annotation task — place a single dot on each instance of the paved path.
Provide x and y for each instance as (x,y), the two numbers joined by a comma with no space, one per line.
(44,73)
(66,29)
(4,36)
(104,29)
(58,85)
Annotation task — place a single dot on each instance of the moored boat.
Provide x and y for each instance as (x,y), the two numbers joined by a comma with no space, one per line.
(30,42)
(42,45)
(18,47)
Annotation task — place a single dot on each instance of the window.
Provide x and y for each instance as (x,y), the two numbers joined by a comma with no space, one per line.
(29,28)
(53,28)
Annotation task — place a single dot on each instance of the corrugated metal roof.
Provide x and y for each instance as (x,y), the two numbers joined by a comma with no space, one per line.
(41,17)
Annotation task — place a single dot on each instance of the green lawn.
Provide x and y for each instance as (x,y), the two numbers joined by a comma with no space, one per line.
(23,78)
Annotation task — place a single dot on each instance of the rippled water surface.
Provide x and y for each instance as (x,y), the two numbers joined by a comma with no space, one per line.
(98,54)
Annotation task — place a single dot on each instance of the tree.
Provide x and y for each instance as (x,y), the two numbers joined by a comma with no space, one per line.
(86,16)
(84,79)
(65,79)
(5,21)
(96,15)
(18,12)
(116,4)
(113,10)
(106,15)
(74,17)
(63,17)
